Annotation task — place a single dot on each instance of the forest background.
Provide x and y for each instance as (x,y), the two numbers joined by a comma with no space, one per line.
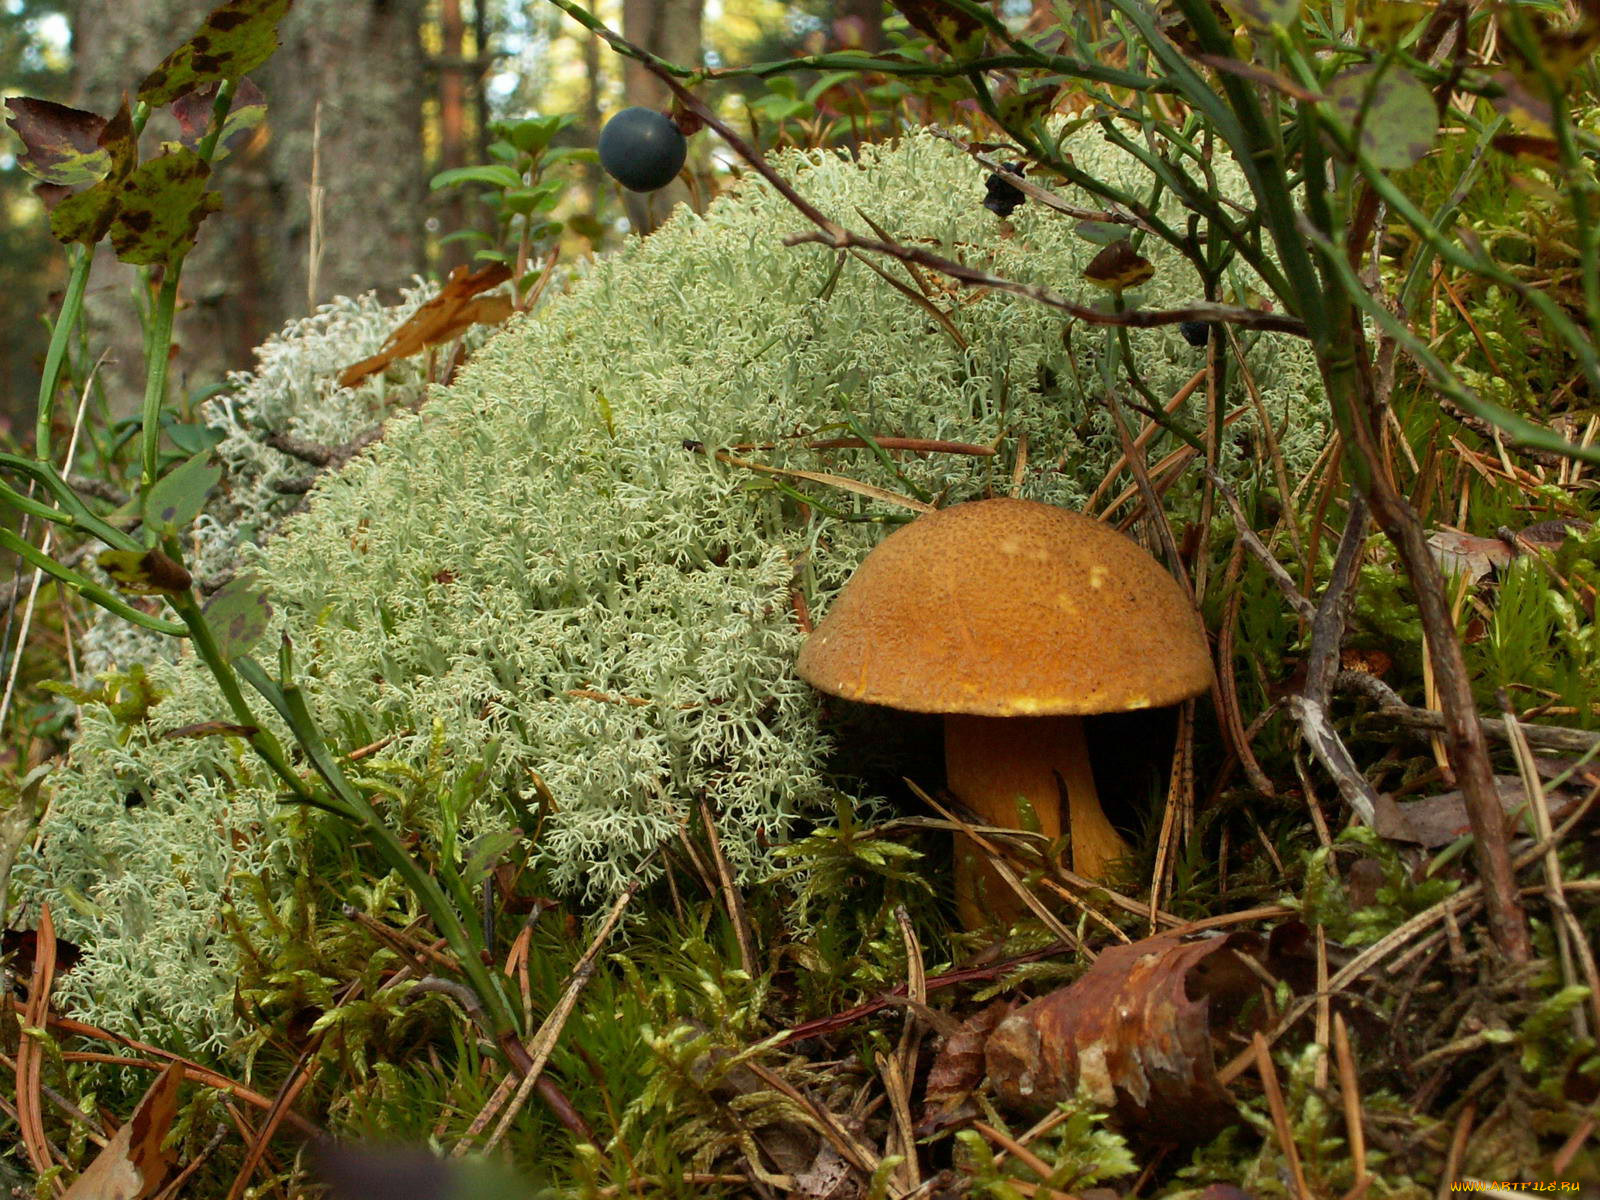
(406,89)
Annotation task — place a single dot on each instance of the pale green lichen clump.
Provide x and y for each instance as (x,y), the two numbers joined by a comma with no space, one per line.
(294,390)
(537,559)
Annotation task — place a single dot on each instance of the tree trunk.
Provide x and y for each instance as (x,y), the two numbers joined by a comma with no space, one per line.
(669,29)
(363,59)
(248,272)
(452,210)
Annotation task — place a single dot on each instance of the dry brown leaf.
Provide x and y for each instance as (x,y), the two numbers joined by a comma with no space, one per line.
(133,1164)
(1136,1032)
(1439,820)
(958,1069)
(444,317)
(1460,553)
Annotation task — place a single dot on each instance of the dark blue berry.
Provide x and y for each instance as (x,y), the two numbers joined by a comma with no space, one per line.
(642,149)
(1004,196)
(1196,333)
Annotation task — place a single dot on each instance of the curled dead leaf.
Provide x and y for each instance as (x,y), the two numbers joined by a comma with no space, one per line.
(1137,1032)
(958,1069)
(133,1164)
(457,306)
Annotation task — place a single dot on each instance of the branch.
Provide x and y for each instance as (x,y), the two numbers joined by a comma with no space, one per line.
(1250,318)
(1392,708)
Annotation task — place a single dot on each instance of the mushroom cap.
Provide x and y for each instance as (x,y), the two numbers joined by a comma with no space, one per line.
(1009,608)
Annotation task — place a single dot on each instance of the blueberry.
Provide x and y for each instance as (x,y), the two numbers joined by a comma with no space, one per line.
(1196,333)
(1004,196)
(642,149)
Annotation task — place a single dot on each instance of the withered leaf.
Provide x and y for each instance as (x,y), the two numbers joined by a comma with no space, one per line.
(1439,820)
(1460,553)
(144,572)
(447,315)
(1562,50)
(958,1069)
(193,112)
(1528,110)
(160,208)
(1367,662)
(1386,22)
(59,144)
(233,41)
(1525,145)
(85,216)
(1021,108)
(1256,73)
(21,946)
(956,32)
(1118,267)
(133,1165)
(1136,1032)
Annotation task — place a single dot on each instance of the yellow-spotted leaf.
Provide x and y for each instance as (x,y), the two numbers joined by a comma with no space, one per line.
(1118,267)
(234,40)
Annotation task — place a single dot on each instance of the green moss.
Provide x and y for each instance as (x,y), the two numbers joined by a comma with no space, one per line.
(536,560)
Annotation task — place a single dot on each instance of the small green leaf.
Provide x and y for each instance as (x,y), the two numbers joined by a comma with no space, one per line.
(532,134)
(583,154)
(238,615)
(233,41)
(160,208)
(779,108)
(1394,112)
(189,437)
(493,174)
(177,497)
(541,198)
(828,82)
(465,235)
(1101,233)
(484,851)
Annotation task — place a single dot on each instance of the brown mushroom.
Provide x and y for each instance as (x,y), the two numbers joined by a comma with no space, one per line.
(1014,619)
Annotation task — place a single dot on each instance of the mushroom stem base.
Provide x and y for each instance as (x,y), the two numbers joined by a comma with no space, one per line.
(992,761)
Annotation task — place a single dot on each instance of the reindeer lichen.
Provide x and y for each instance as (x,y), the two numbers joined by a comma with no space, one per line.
(548,556)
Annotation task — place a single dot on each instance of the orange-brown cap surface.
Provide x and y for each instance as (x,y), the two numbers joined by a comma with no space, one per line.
(1009,608)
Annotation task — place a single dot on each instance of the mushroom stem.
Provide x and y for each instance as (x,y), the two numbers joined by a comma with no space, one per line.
(992,761)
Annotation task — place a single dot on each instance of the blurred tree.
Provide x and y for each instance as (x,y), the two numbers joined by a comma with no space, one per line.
(33,62)
(268,255)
